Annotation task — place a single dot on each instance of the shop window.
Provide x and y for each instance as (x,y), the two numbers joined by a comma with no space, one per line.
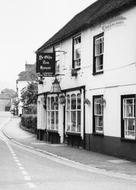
(52,113)
(98,114)
(77,52)
(73,113)
(129,117)
(98,53)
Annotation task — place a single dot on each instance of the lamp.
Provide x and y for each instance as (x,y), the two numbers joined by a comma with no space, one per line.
(56,86)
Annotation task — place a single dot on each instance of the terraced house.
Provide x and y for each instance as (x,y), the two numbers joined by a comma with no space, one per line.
(90,99)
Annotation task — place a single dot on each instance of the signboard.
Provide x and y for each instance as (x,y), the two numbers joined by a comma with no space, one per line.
(45,64)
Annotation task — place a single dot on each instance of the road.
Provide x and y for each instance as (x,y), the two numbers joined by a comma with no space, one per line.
(23,169)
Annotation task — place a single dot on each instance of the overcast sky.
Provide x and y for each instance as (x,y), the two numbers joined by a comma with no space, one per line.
(24,26)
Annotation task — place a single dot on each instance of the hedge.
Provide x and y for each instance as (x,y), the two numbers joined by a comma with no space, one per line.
(29,121)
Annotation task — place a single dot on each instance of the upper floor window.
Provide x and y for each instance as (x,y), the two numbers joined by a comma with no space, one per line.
(57,59)
(129,117)
(77,52)
(98,45)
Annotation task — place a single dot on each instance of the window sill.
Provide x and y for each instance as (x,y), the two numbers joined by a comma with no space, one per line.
(74,71)
(98,134)
(128,140)
(73,133)
(98,73)
(52,131)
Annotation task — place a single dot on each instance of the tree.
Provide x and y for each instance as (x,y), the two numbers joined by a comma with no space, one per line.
(10,92)
(29,94)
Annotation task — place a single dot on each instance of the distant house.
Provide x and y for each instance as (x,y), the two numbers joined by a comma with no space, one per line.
(24,78)
(5,102)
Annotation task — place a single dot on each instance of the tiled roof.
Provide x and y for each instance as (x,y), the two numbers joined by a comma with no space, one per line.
(92,15)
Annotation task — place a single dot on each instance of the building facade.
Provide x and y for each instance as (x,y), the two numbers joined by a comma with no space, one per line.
(24,78)
(95,59)
(5,102)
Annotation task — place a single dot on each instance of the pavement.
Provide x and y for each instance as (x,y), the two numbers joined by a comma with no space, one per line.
(89,159)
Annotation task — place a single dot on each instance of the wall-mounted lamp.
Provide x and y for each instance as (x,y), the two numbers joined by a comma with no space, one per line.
(87,101)
(103,101)
(40,79)
(55,86)
(62,100)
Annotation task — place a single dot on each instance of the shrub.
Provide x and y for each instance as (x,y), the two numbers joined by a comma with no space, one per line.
(29,121)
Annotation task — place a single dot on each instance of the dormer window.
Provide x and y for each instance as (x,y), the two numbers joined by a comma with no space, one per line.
(77,52)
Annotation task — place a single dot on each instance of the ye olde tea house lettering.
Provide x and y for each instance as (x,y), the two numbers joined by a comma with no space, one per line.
(46,64)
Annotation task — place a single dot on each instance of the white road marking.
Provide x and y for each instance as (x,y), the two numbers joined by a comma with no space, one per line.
(27,178)
(24,172)
(15,157)
(16,160)
(20,167)
(31,185)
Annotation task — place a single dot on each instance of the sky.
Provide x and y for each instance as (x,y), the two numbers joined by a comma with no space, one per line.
(25,25)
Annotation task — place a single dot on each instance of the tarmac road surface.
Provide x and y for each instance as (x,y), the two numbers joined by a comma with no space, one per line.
(23,169)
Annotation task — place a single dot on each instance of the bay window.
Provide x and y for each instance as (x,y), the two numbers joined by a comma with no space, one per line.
(52,112)
(73,112)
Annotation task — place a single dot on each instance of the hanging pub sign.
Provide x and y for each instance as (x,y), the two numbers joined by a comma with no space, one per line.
(45,64)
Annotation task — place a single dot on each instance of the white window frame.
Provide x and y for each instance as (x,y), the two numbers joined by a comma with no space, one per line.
(77,47)
(129,108)
(98,114)
(98,53)
(70,127)
(57,59)
(52,110)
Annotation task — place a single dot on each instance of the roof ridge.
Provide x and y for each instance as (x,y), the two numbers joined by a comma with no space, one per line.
(92,15)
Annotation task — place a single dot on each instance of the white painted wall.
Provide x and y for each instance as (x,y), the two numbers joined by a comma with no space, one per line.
(119,75)
(20,86)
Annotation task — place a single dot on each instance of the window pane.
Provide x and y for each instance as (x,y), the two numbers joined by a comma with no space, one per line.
(52,120)
(73,121)
(98,106)
(49,119)
(48,103)
(56,103)
(78,121)
(73,101)
(52,103)
(129,128)
(79,101)
(56,119)
(99,124)
(129,106)
(99,63)
(68,102)
(68,121)
(77,54)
